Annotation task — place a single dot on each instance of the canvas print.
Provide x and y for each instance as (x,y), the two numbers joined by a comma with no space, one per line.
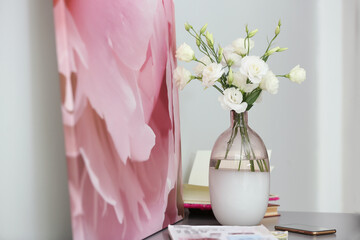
(120,116)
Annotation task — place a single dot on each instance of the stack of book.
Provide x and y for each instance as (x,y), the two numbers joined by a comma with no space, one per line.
(272,209)
(196,192)
(198,197)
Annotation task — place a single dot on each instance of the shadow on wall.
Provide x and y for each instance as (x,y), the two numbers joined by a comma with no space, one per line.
(50,193)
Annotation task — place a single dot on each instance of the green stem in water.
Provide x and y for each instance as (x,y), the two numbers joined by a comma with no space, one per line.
(266,167)
(250,154)
(217,164)
(229,143)
(246,142)
(239,126)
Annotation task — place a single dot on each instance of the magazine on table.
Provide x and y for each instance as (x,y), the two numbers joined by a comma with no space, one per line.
(186,232)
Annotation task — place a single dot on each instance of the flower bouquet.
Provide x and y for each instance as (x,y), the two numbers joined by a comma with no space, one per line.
(238,76)
(239,176)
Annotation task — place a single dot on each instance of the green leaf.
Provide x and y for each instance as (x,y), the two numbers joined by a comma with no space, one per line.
(251,98)
(249,107)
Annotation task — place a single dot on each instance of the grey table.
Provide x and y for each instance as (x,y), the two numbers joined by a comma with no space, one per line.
(347,225)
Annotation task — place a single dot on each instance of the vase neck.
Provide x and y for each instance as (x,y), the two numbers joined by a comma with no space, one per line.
(241,118)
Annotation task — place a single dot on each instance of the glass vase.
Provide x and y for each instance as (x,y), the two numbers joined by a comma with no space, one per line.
(239,176)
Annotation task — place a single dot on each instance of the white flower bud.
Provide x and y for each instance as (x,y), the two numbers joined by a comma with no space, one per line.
(187,26)
(277,30)
(297,74)
(220,53)
(185,53)
(282,49)
(198,42)
(230,77)
(271,51)
(181,77)
(253,32)
(203,29)
(230,62)
(209,39)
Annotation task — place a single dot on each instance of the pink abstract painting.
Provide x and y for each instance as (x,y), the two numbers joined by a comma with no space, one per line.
(120,115)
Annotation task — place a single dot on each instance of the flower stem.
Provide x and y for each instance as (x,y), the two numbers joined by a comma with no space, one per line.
(203,50)
(205,46)
(248,51)
(197,60)
(218,89)
(264,57)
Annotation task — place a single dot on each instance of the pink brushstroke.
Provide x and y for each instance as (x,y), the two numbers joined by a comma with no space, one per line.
(120,114)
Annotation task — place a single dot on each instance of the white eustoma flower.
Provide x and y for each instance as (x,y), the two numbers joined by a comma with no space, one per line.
(181,77)
(241,46)
(254,68)
(185,53)
(211,74)
(199,68)
(297,74)
(233,100)
(240,82)
(230,55)
(270,83)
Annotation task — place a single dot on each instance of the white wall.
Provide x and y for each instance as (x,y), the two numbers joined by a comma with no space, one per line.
(296,123)
(350,105)
(329,106)
(34,201)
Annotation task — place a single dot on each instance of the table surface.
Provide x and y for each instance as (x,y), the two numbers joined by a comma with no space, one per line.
(347,225)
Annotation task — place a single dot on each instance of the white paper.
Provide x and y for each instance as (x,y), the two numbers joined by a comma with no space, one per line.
(199,174)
